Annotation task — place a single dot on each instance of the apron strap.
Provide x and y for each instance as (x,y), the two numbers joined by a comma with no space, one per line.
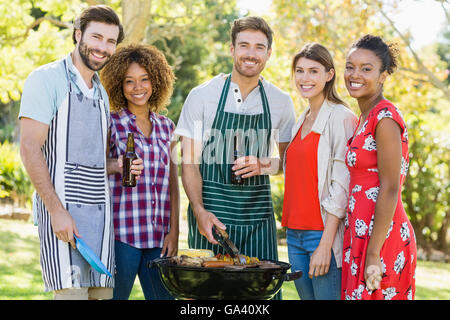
(265,103)
(67,74)
(223,95)
(66,67)
(264,122)
(267,117)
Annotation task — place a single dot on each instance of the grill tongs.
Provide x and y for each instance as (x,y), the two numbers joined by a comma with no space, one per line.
(224,240)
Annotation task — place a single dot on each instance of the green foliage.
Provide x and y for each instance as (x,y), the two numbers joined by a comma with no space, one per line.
(427,187)
(195,58)
(194,35)
(29,44)
(277,188)
(443,50)
(21,279)
(337,25)
(8,118)
(277,191)
(14,181)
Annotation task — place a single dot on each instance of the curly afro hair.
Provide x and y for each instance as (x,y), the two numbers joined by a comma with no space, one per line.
(151,59)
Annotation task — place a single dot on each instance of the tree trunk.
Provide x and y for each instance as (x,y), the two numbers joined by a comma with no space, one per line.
(135,16)
(442,235)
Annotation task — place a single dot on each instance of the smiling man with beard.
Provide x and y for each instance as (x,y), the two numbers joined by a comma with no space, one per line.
(64,122)
(245,105)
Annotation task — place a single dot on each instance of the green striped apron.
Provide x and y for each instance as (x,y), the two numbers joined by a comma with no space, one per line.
(247,209)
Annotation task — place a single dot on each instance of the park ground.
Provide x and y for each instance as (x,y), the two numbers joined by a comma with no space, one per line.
(20,272)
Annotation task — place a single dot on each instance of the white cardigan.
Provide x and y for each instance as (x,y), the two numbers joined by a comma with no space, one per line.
(336,124)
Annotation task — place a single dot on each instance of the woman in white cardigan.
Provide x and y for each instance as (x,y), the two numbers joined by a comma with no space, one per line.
(316,177)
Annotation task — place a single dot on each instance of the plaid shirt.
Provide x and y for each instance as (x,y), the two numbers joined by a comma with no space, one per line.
(142,213)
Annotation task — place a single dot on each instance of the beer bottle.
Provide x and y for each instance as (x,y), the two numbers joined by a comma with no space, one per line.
(236,179)
(129,179)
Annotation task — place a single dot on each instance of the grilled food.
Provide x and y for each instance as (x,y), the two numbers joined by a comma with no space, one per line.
(217,264)
(248,260)
(201,258)
(196,253)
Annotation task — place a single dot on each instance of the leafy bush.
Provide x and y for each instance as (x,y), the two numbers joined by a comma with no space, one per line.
(277,190)
(426,190)
(14,181)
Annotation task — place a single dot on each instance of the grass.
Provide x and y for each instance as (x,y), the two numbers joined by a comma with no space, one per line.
(20,272)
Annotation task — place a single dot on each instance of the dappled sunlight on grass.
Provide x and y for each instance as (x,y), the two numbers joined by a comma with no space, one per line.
(432,281)
(20,275)
(21,279)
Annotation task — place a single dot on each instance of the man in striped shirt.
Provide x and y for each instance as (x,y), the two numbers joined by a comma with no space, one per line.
(64,123)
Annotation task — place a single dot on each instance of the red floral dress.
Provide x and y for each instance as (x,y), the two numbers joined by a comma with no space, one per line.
(398,254)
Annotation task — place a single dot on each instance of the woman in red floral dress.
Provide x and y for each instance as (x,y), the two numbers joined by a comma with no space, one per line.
(379,257)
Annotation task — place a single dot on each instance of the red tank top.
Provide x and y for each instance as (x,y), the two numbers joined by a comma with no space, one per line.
(301,206)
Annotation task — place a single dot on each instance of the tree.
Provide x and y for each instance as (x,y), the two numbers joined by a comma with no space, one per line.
(418,88)
(32,33)
(193,35)
(36,32)
(135,16)
(421,68)
(194,58)
(427,190)
(443,50)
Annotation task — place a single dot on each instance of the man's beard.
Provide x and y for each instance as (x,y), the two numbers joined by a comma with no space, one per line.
(84,51)
(247,73)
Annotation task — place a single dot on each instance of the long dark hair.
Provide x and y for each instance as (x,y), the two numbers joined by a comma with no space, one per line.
(317,52)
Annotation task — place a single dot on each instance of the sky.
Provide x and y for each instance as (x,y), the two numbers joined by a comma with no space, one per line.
(423,18)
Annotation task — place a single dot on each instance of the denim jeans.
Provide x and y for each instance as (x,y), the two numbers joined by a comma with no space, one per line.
(301,245)
(131,261)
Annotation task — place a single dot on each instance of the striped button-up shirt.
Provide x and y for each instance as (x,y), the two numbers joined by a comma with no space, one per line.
(142,213)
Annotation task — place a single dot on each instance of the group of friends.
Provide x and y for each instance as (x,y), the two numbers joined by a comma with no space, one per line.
(347,229)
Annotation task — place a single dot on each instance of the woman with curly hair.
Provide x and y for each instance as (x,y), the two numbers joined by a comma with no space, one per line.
(139,83)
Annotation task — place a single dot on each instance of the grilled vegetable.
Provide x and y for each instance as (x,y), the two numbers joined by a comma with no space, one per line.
(226,257)
(201,258)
